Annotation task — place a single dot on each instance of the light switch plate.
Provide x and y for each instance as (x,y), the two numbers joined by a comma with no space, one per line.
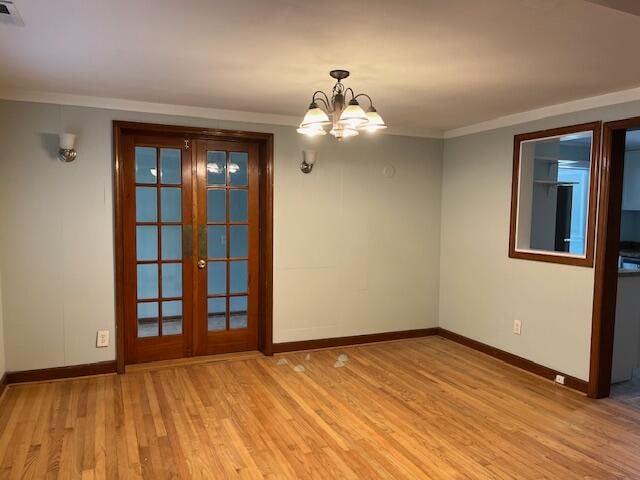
(103,338)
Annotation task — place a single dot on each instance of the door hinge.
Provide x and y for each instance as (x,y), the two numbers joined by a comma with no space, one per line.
(186,144)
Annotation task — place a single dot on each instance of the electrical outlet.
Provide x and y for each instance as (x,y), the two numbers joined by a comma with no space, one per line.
(103,338)
(560,379)
(517,327)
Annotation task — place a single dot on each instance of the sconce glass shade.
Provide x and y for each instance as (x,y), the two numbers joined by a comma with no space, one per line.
(313,130)
(310,156)
(315,116)
(67,153)
(375,122)
(353,115)
(67,140)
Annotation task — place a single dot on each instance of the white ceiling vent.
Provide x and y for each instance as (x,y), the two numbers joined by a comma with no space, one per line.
(9,13)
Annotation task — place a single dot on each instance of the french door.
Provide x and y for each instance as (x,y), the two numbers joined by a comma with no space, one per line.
(227,252)
(190,240)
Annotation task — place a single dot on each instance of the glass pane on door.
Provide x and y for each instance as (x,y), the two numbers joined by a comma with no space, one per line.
(171,242)
(238,206)
(217,314)
(146,204)
(217,278)
(216,206)
(238,168)
(216,168)
(146,242)
(238,241)
(146,165)
(170,166)
(238,312)
(216,241)
(172,317)
(171,201)
(148,319)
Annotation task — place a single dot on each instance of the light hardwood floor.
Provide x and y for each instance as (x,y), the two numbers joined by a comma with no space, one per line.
(424,408)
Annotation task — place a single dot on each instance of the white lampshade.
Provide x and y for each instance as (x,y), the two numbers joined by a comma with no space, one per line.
(375,122)
(67,140)
(313,130)
(353,115)
(315,116)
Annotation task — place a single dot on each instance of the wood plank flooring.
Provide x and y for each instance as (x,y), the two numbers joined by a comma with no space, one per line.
(422,408)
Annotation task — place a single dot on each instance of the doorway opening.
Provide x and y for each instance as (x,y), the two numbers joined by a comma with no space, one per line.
(615,340)
(194,242)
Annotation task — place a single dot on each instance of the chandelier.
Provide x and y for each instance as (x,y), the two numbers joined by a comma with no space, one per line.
(346,119)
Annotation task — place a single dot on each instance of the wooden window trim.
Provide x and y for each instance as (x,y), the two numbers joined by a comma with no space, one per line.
(587,260)
(265,149)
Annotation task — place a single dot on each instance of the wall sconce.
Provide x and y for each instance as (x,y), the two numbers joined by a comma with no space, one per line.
(308,159)
(67,153)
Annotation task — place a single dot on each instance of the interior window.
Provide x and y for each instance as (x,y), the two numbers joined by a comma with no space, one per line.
(553,199)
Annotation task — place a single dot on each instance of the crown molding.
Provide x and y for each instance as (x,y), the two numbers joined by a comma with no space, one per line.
(178,110)
(622,96)
(145,107)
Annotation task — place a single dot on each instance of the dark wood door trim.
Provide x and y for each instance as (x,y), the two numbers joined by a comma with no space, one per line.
(265,146)
(607,250)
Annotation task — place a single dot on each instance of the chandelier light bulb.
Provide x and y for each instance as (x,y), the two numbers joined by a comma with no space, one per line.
(343,132)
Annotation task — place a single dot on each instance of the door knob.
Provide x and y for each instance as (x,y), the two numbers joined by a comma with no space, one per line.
(201,264)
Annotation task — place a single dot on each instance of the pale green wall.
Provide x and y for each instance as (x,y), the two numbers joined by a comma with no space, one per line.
(482,290)
(345,235)
(354,252)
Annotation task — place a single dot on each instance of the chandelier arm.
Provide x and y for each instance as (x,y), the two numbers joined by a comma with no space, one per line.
(353,94)
(365,95)
(324,100)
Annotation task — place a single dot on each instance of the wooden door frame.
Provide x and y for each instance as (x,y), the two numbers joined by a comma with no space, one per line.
(265,147)
(607,251)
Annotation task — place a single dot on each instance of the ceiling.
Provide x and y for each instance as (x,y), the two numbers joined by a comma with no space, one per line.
(429,64)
